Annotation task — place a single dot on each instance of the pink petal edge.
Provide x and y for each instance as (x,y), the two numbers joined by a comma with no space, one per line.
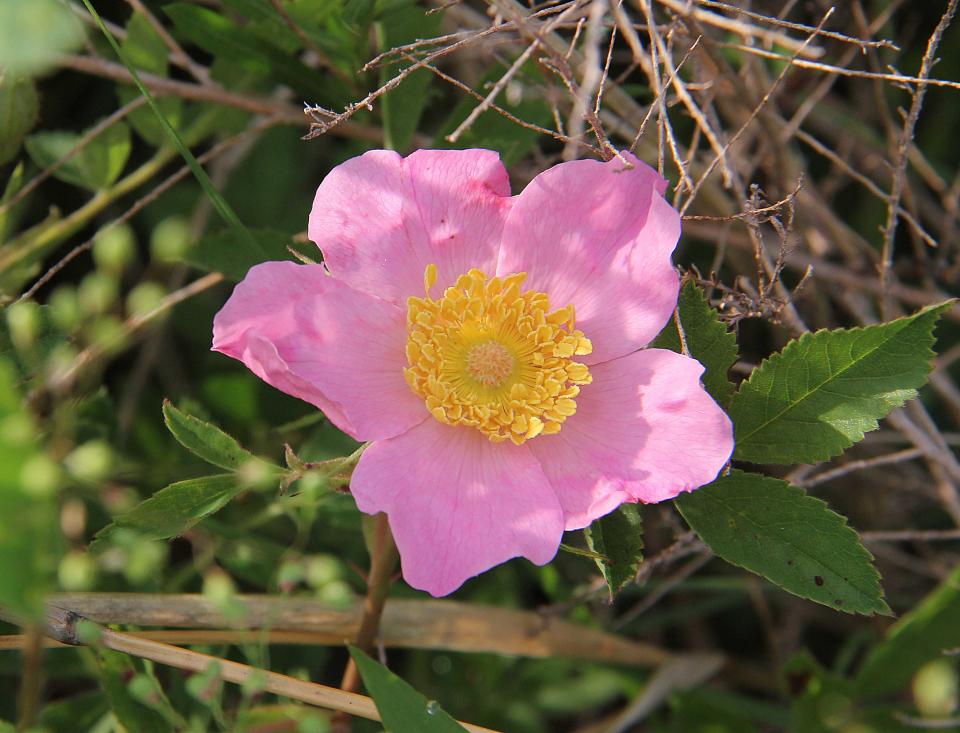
(645,430)
(315,338)
(599,236)
(457,503)
(380,219)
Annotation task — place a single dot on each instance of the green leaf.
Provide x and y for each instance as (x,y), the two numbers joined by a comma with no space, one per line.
(708,340)
(403,106)
(175,509)
(793,540)
(34,33)
(403,709)
(205,439)
(116,670)
(145,50)
(821,394)
(223,252)
(18,113)
(618,537)
(229,42)
(95,166)
(924,634)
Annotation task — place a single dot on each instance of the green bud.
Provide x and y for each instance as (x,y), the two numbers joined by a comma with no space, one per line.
(23,318)
(170,240)
(88,632)
(144,298)
(322,569)
(144,560)
(65,308)
(61,360)
(98,292)
(77,572)
(114,248)
(290,575)
(91,461)
(935,688)
(17,430)
(107,333)
(257,474)
(218,588)
(40,476)
(337,594)
(143,688)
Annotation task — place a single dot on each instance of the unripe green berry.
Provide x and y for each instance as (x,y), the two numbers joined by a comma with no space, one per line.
(23,318)
(170,240)
(91,461)
(65,308)
(98,292)
(144,298)
(114,248)
(77,572)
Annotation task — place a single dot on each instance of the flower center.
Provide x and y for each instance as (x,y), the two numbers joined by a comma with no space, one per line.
(489,363)
(488,355)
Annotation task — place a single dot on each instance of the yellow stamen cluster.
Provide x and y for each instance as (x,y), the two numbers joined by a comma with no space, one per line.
(493,357)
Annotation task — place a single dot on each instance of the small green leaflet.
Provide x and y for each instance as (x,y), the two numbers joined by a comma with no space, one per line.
(175,509)
(707,338)
(19,107)
(618,537)
(403,709)
(205,439)
(96,166)
(793,540)
(924,634)
(820,394)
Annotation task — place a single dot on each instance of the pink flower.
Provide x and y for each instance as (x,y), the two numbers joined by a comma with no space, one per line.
(490,347)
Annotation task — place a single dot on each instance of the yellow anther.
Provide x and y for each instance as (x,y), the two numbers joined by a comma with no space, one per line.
(488,355)
(429,277)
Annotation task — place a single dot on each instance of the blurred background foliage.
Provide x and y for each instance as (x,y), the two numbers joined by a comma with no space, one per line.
(113,261)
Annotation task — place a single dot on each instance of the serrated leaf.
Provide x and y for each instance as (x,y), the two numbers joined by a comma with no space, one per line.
(225,253)
(820,395)
(618,537)
(33,34)
(402,709)
(205,439)
(924,634)
(95,166)
(793,540)
(18,113)
(403,106)
(708,340)
(175,509)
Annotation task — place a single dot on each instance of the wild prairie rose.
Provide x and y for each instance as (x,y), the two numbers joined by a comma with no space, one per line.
(490,347)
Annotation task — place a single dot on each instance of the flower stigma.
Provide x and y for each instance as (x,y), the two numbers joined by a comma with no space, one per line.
(490,356)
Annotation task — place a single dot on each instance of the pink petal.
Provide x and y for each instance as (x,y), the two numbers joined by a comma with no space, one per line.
(380,219)
(458,504)
(599,236)
(645,430)
(316,338)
